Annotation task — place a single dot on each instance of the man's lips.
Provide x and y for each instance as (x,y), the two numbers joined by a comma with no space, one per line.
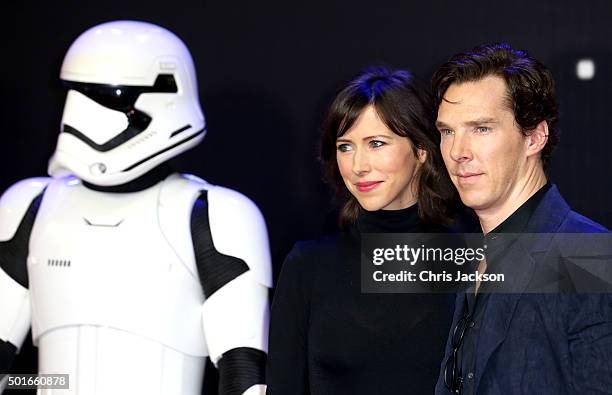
(367,185)
(467,176)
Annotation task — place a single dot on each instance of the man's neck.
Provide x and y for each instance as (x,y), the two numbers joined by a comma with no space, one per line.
(524,189)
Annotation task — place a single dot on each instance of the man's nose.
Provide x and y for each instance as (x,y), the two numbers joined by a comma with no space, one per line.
(461,150)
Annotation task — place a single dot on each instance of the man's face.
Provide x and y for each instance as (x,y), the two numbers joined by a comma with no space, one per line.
(482,146)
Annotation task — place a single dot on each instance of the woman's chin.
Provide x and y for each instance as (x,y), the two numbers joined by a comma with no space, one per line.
(371,204)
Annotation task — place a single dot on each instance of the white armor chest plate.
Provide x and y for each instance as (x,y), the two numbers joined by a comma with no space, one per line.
(105,259)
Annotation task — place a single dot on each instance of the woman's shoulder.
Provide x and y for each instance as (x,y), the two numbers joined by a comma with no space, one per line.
(311,264)
(310,255)
(316,249)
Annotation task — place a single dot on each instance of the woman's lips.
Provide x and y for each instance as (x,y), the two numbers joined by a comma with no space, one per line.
(367,186)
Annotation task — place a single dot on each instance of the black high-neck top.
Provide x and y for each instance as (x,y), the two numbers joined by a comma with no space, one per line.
(390,221)
(326,337)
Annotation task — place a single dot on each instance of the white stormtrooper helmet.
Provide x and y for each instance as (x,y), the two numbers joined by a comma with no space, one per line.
(132,103)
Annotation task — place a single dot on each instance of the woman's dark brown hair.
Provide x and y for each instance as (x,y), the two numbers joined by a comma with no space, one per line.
(404,104)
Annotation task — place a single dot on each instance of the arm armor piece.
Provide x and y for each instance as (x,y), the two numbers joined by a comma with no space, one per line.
(240,369)
(18,209)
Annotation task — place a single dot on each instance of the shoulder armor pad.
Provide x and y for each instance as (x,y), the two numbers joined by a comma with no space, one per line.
(14,204)
(176,199)
(238,229)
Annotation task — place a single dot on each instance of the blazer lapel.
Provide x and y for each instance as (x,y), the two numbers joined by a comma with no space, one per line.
(502,304)
(521,264)
(550,214)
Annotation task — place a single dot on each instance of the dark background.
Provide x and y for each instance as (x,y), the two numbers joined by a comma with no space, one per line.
(267,71)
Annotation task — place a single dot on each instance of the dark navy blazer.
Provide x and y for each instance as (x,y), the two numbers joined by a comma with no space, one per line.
(543,343)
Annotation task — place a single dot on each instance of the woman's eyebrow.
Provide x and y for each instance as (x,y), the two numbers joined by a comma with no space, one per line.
(374,136)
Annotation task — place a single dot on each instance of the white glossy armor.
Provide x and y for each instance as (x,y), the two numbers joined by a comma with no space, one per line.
(115,296)
(14,298)
(118,57)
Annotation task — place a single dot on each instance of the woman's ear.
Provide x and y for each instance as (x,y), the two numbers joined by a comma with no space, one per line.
(421,155)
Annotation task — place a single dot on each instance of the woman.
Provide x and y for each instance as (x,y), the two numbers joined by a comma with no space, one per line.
(379,148)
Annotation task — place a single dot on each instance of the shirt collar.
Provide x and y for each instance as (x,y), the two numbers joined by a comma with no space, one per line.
(518,220)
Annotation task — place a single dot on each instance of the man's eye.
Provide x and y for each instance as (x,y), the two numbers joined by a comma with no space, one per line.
(446,132)
(376,143)
(343,147)
(483,129)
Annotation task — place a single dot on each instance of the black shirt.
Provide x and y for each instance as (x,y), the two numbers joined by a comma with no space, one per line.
(326,337)
(476,304)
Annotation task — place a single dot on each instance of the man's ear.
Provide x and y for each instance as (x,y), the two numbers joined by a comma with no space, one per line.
(537,138)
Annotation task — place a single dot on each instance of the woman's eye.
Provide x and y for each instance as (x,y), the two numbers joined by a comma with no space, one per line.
(344,147)
(376,143)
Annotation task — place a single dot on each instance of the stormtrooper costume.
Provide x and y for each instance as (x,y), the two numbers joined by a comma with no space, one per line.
(128,275)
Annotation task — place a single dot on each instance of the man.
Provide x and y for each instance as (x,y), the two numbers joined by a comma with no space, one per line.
(497,117)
